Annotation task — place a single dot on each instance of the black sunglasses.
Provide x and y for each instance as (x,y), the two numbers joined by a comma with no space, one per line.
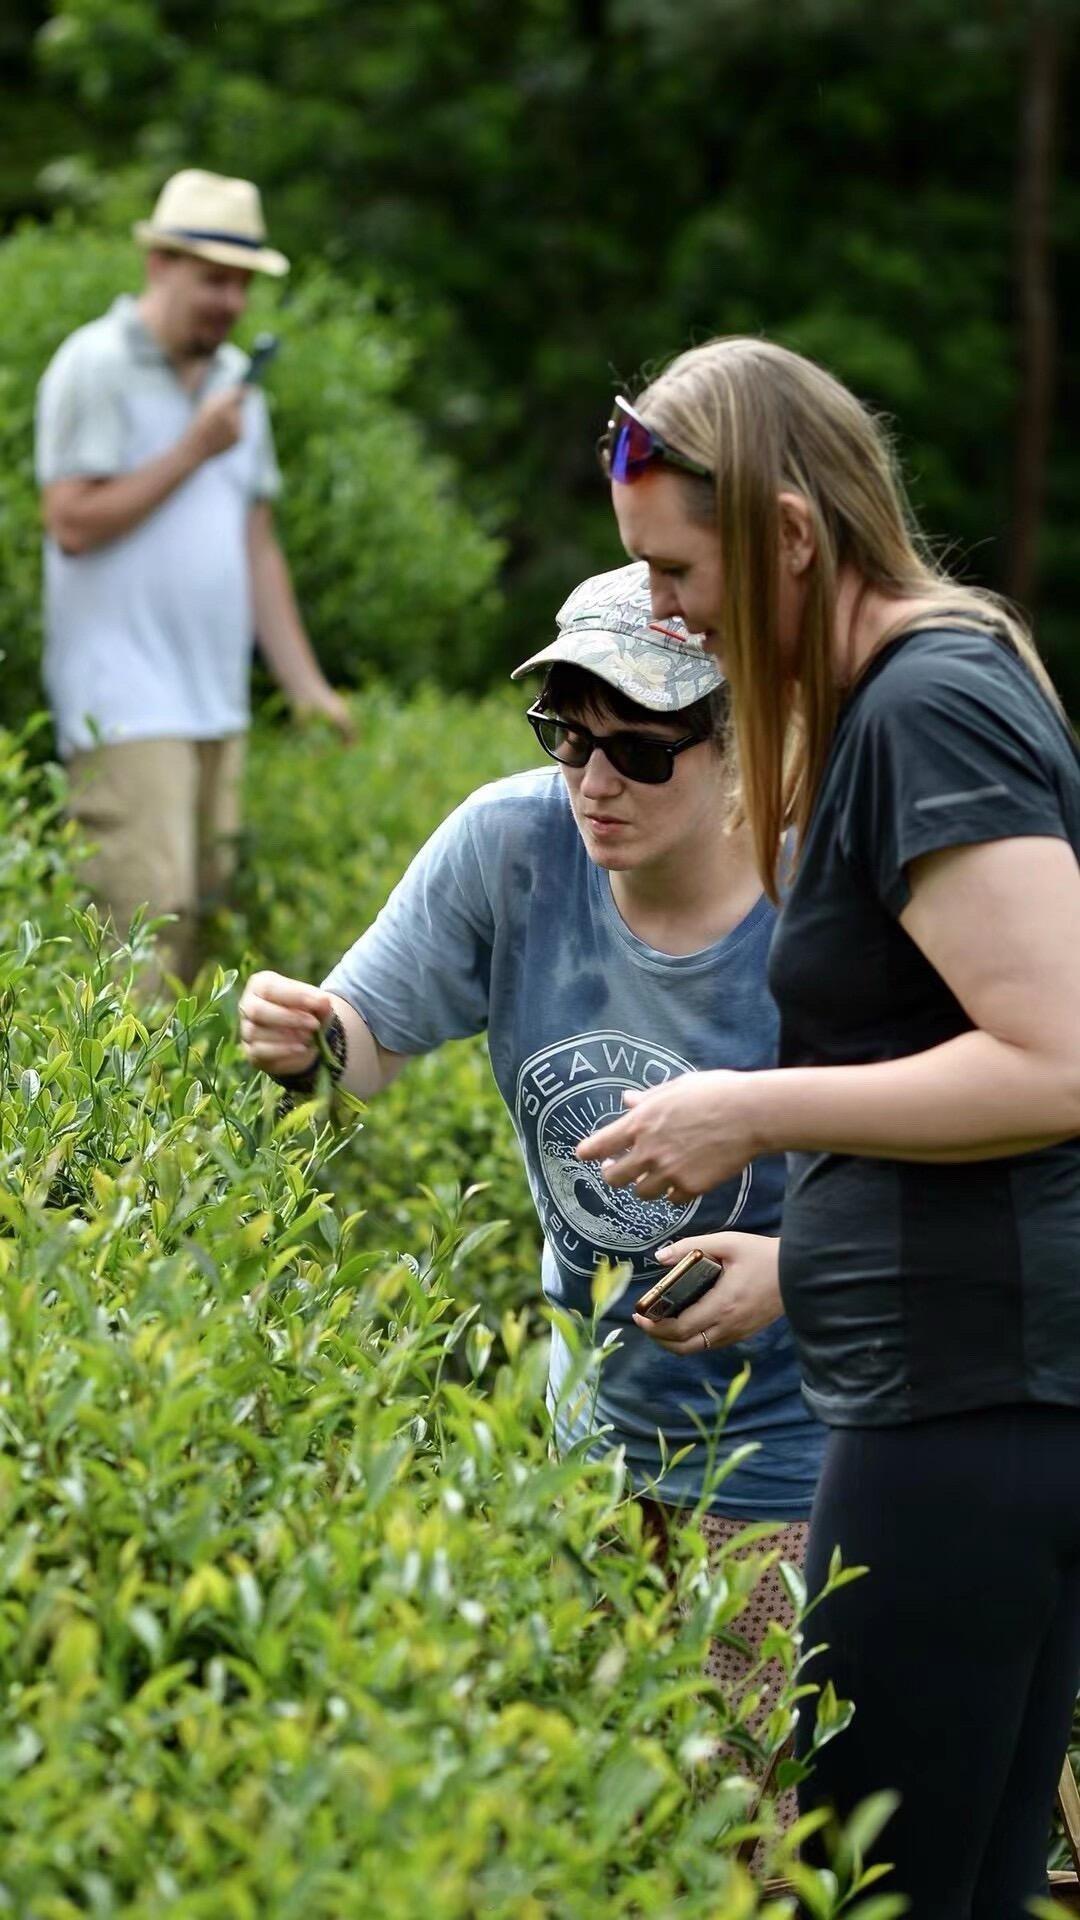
(630,447)
(637,756)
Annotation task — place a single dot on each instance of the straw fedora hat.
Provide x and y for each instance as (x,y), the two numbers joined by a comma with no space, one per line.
(213,218)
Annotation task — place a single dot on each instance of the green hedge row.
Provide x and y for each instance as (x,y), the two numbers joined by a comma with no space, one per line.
(299,1617)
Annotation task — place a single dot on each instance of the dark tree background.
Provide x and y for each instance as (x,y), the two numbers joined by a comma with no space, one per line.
(556,193)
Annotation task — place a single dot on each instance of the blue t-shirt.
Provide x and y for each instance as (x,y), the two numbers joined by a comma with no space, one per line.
(502,922)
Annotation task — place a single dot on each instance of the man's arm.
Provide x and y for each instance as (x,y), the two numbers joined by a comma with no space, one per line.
(282,640)
(82,513)
(278,1018)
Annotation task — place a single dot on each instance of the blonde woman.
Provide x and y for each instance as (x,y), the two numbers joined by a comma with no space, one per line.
(927,969)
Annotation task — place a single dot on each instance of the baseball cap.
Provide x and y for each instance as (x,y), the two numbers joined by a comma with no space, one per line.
(607,627)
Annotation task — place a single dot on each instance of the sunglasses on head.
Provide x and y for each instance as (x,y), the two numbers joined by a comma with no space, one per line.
(629,448)
(637,756)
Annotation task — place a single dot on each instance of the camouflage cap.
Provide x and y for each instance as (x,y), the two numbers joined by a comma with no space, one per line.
(607,627)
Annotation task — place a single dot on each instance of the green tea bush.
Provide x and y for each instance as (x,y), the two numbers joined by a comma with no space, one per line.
(300,1618)
(393,574)
(329,832)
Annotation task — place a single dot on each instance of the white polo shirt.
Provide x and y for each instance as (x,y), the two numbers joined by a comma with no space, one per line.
(151,635)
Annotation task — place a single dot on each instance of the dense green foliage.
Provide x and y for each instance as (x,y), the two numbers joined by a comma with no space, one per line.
(562,191)
(329,833)
(392,571)
(299,1616)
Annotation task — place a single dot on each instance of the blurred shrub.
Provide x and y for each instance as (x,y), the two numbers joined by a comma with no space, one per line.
(392,572)
(299,1615)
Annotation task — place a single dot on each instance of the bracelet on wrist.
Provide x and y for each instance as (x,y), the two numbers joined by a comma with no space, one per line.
(331,1053)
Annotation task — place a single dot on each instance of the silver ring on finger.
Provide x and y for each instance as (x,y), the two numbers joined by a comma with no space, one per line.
(704,1338)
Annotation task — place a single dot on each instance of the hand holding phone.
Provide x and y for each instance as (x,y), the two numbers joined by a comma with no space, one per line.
(723,1316)
(263,348)
(691,1277)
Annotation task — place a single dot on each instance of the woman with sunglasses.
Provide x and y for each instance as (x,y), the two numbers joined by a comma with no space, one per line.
(927,968)
(595,922)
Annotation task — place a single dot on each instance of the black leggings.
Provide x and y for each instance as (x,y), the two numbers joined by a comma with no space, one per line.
(960,1648)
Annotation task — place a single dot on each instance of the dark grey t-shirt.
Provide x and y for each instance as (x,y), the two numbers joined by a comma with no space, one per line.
(915,1289)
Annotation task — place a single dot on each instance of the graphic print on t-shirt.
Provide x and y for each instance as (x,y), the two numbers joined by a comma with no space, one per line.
(566,1092)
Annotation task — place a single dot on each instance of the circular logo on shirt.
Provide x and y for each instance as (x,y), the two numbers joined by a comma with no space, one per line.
(567,1092)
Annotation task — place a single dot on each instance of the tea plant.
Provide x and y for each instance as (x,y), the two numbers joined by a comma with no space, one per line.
(299,1613)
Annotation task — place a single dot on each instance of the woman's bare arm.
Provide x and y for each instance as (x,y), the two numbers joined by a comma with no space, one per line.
(279,1016)
(1000,923)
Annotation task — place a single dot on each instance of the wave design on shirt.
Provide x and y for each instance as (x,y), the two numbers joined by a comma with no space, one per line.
(564,1093)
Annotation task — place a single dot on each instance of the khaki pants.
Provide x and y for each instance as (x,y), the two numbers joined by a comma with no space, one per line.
(163,817)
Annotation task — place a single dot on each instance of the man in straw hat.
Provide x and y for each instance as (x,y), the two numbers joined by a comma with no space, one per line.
(157,470)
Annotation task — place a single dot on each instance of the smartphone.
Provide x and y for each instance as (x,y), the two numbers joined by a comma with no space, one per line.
(686,1281)
(263,348)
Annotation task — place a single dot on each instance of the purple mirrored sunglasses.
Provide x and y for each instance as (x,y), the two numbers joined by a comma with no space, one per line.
(630,447)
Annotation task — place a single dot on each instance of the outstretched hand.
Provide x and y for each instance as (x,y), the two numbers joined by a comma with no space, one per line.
(680,1139)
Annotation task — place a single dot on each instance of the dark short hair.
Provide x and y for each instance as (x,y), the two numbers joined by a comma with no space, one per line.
(572,690)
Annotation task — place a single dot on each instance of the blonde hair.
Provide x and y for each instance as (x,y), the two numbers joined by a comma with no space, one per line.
(765,420)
